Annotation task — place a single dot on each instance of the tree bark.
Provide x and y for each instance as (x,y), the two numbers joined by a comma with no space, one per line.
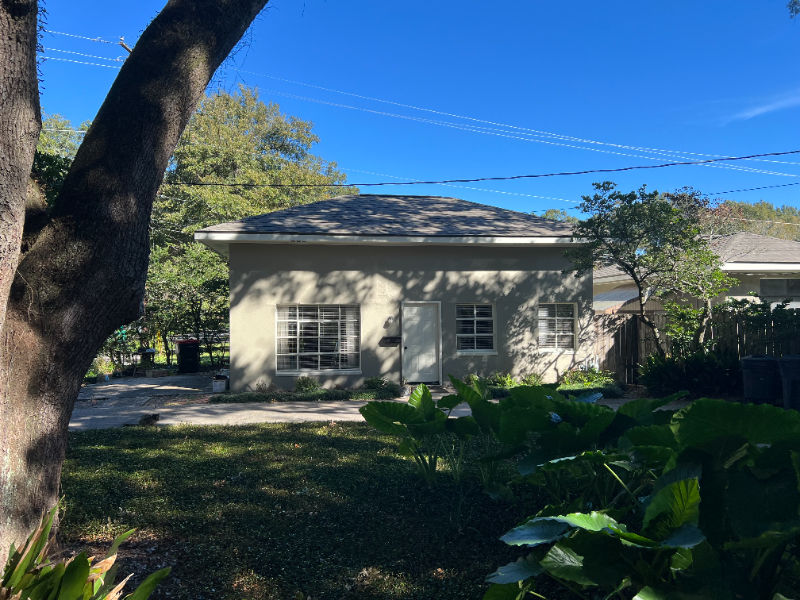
(649,322)
(83,272)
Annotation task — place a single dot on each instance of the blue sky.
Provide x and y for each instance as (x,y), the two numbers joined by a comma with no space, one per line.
(712,78)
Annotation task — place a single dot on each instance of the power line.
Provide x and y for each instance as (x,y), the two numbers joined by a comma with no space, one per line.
(586,172)
(463,187)
(763,187)
(80,62)
(97,39)
(118,59)
(529,131)
(470,128)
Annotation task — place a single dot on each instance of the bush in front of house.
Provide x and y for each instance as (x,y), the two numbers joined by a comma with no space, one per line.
(306,384)
(701,373)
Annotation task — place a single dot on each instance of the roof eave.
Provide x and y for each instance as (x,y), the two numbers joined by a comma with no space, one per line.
(219,241)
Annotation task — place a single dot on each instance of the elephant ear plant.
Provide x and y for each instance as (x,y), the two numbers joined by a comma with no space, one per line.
(421,423)
(31,573)
(717,518)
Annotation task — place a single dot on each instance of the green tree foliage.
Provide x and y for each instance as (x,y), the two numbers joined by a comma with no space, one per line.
(237,138)
(794,8)
(231,139)
(58,143)
(647,237)
(559,215)
(764,218)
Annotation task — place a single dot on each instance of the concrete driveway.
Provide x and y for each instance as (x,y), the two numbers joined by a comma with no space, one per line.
(123,401)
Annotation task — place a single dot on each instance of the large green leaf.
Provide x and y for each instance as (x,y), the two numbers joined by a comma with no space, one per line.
(708,419)
(640,409)
(505,591)
(519,570)
(465,392)
(516,422)
(536,532)
(463,428)
(655,435)
(673,506)
(534,397)
(422,400)
(435,426)
(74,579)
(579,413)
(449,402)
(487,415)
(565,563)
(590,433)
(756,506)
(390,416)
(148,585)
(117,541)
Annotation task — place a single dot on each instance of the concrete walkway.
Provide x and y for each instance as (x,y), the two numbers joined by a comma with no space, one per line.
(184,399)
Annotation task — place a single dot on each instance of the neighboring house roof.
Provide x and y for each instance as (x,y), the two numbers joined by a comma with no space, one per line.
(395,219)
(746,247)
(608,301)
(739,252)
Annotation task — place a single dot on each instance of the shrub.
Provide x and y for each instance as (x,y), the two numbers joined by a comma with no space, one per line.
(375,383)
(32,571)
(702,373)
(502,380)
(531,379)
(587,377)
(471,379)
(306,384)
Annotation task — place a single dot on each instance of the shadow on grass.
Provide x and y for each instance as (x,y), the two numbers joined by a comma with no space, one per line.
(266,511)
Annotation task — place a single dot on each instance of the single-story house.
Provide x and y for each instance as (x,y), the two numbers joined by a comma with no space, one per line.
(767,266)
(406,287)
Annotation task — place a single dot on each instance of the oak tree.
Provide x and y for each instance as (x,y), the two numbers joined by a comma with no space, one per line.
(71,275)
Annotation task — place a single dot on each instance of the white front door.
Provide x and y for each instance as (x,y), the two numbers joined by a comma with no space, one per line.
(421,342)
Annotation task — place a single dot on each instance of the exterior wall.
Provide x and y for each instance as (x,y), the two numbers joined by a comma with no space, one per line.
(379,278)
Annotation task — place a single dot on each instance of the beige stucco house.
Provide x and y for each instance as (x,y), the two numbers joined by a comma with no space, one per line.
(407,287)
(766,266)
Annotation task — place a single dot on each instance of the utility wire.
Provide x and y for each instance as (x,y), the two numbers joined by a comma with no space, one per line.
(529,131)
(463,187)
(118,59)
(512,177)
(80,62)
(763,187)
(470,128)
(97,39)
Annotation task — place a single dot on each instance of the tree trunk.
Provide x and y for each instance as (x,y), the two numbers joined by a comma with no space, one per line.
(643,298)
(84,270)
(705,322)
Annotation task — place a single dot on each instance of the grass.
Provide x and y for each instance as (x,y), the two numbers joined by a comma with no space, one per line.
(276,510)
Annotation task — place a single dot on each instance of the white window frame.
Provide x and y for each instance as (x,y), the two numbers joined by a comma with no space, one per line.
(557,350)
(493,351)
(299,372)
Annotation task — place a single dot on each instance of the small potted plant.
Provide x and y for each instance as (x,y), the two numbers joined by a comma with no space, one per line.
(405,390)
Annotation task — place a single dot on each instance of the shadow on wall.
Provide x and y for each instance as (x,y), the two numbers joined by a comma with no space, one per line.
(360,277)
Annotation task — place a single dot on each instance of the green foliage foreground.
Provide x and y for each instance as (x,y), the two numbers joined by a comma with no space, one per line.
(648,504)
(35,572)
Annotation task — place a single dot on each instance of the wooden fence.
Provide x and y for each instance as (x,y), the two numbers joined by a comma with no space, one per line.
(622,342)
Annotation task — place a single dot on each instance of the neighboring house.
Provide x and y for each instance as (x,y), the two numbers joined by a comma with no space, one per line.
(767,266)
(413,287)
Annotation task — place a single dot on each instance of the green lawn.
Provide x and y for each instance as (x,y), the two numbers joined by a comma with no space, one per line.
(267,511)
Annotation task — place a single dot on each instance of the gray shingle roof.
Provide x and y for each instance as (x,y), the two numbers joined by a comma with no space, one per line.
(754,248)
(397,215)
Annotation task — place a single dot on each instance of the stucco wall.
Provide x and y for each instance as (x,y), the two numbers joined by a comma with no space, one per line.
(379,278)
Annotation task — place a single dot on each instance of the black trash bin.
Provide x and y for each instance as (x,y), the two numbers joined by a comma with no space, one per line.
(761,379)
(790,374)
(188,356)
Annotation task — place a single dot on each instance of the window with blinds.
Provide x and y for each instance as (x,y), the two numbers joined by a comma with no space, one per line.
(475,328)
(319,337)
(557,326)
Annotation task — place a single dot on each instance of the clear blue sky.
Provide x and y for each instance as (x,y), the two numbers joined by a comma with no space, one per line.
(718,77)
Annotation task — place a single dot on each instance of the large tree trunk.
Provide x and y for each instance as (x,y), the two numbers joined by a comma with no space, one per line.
(82,272)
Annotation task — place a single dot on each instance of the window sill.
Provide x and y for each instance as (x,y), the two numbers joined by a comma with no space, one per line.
(557,351)
(301,373)
(476,353)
